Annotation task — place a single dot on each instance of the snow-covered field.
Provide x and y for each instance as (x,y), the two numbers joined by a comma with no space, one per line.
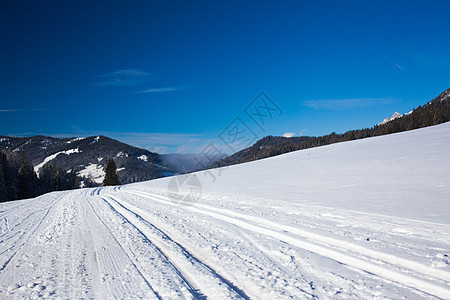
(366,219)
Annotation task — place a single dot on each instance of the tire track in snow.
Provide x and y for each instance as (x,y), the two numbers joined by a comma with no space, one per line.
(90,239)
(29,262)
(55,259)
(257,274)
(388,258)
(69,262)
(196,264)
(194,291)
(29,233)
(264,226)
(280,264)
(109,259)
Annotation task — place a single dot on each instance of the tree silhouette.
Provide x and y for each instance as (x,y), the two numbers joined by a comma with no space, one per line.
(28,182)
(111,176)
(3,187)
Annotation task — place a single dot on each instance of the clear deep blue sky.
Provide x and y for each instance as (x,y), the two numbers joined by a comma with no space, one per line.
(171,75)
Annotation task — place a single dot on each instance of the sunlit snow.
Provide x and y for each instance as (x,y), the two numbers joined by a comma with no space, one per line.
(365,219)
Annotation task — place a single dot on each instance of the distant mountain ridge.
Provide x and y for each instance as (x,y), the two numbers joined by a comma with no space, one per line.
(434,112)
(263,147)
(87,157)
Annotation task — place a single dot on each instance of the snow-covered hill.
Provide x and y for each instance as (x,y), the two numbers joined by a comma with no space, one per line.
(87,157)
(363,219)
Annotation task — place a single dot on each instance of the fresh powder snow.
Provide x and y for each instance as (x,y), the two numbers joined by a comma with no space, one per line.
(365,219)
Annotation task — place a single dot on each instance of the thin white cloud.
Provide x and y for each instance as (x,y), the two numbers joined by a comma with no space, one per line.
(164,89)
(288,134)
(349,103)
(160,149)
(21,110)
(125,77)
(302,132)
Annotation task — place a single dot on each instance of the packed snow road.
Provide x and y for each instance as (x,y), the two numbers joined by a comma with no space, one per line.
(115,243)
(248,237)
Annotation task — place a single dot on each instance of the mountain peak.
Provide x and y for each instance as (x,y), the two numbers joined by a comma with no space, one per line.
(393,117)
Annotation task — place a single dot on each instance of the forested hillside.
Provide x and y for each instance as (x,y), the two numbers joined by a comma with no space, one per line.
(31,166)
(434,112)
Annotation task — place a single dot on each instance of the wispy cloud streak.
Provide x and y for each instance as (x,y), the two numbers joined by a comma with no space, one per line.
(23,110)
(388,59)
(163,89)
(126,77)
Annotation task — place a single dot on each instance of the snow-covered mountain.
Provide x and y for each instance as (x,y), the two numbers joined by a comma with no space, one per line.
(363,219)
(393,117)
(87,157)
(434,112)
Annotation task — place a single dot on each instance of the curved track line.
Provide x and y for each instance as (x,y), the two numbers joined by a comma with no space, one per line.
(30,235)
(395,276)
(186,253)
(120,245)
(189,285)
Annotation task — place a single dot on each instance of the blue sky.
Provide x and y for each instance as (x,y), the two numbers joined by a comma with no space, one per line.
(171,76)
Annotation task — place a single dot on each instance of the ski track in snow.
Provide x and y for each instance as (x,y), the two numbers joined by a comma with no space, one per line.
(133,242)
(111,242)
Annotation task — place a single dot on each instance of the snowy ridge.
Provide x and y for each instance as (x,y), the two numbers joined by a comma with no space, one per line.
(374,223)
(75,140)
(53,156)
(91,150)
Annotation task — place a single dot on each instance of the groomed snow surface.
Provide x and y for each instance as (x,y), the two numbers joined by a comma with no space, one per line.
(367,219)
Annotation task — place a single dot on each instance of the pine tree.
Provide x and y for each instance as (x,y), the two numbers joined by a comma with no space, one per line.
(3,187)
(111,176)
(10,177)
(46,179)
(72,180)
(28,187)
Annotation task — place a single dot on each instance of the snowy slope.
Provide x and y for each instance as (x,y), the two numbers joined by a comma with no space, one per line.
(364,219)
(53,156)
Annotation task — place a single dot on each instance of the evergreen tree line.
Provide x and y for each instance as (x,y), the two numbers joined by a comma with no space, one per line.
(433,113)
(19,181)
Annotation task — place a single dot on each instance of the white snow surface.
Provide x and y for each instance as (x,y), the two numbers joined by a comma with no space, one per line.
(52,157)
(95,140)
(143,157)
(94,172)
(76,139)
(366,219)
(122,154)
